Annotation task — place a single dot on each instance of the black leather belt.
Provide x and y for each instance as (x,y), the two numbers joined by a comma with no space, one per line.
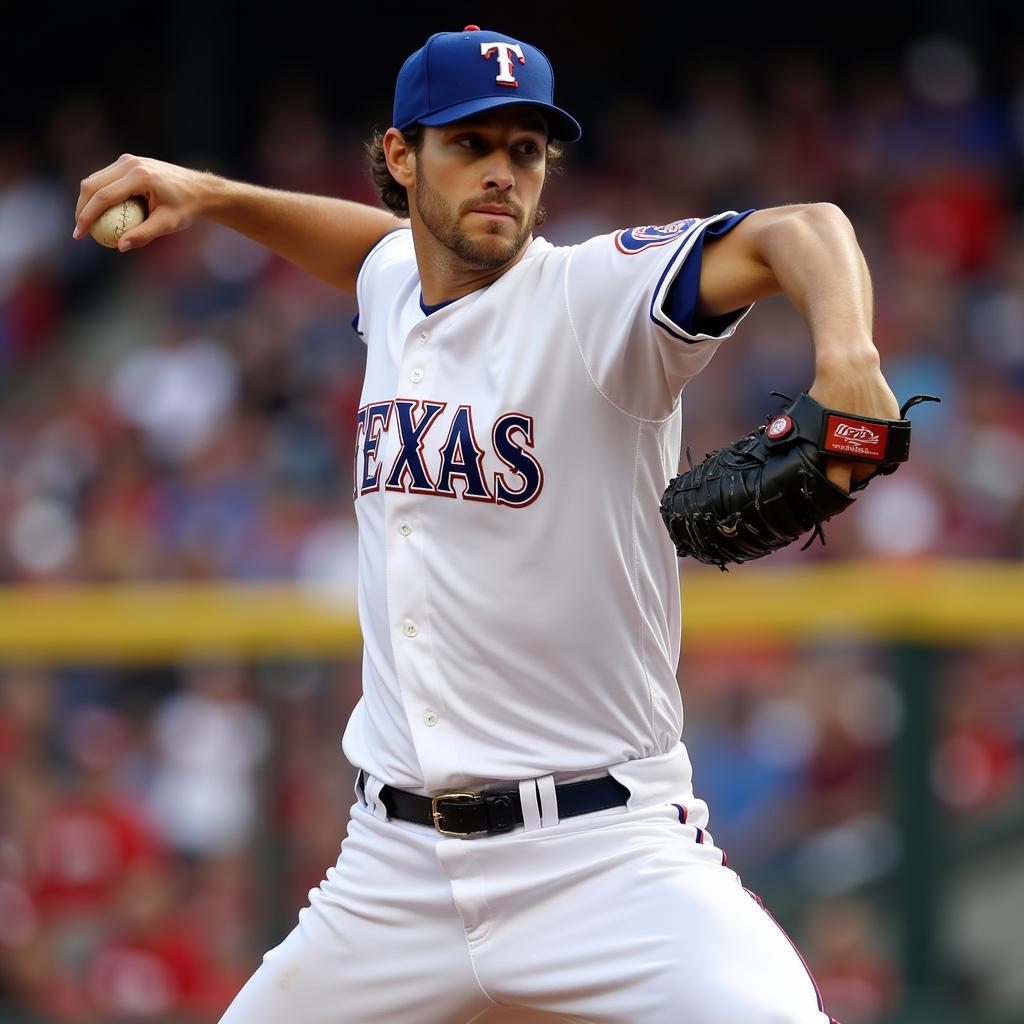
(494,811)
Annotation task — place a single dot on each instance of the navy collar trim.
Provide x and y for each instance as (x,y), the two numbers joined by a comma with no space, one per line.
(433,309)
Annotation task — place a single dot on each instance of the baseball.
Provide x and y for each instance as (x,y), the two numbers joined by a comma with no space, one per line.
(113,222)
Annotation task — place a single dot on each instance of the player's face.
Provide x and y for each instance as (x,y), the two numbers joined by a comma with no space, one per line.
(478,184)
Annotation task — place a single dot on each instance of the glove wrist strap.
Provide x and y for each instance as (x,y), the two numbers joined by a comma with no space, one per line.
(833,432)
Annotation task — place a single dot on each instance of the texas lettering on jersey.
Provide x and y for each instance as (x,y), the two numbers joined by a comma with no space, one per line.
(430,460)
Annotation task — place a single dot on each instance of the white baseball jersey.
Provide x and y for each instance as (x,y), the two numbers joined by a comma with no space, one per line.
(520,608)
(518,592)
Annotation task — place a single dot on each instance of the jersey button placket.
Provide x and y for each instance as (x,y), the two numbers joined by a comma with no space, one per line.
(419,678)
(413,650)
(418,355)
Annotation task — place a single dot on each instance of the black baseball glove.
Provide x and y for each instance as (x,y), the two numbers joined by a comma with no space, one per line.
(763,491)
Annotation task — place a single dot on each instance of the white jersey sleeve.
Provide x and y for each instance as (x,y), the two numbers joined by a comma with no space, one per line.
(631,297)
(392,252)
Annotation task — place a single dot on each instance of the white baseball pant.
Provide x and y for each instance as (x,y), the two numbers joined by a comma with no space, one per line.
(622,916)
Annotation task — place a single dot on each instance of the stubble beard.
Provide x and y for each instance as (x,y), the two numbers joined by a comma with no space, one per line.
(479,253)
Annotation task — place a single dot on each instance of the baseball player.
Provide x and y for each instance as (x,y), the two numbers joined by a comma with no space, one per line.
(525,832)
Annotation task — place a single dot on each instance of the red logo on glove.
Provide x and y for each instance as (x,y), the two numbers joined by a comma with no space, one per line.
(779,427)
(847,436)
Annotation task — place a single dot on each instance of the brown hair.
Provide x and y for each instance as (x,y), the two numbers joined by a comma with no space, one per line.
(394,196)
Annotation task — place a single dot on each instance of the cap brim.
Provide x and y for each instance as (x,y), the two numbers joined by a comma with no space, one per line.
(562,126)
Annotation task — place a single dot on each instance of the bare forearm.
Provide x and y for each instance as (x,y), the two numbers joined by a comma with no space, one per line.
(325,236)
(820,268)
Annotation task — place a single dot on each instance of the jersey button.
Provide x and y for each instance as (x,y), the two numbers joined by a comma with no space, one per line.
(411,629)
(416,376)
(430,719)
(404,529)
(424,335)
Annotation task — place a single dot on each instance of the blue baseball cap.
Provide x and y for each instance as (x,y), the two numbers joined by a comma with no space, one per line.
(457,74)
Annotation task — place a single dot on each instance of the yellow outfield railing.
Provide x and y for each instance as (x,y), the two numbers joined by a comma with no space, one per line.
(935,603)
(152,622)
(928,602)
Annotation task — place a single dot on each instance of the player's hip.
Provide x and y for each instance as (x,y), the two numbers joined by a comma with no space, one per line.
(650,792)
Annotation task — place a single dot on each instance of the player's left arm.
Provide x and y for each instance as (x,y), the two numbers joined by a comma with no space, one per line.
(809,253)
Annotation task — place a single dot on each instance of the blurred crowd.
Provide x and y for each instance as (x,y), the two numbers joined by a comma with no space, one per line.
(153,826)
(187,411)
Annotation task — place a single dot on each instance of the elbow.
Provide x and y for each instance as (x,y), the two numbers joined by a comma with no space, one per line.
(825,213)
(801,223)
(805,226)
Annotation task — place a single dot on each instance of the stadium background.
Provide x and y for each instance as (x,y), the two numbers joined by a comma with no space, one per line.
(179,653)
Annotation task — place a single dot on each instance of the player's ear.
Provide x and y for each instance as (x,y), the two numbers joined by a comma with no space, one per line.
(401,158)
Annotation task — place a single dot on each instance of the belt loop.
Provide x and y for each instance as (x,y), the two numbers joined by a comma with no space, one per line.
(531,809)
(548,801)
(371,791)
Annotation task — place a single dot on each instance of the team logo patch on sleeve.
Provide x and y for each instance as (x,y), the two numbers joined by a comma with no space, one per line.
(633,240)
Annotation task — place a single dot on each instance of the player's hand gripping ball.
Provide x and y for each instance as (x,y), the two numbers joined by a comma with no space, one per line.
(116,220)
(763,491)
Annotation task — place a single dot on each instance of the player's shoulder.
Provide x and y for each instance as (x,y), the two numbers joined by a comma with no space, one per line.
(626,252)
(643,237)
(387,271)
(393,248)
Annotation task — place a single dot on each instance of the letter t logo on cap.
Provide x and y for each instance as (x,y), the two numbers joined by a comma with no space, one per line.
(504,51)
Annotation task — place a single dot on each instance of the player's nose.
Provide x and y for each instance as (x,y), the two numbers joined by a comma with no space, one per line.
(498,173)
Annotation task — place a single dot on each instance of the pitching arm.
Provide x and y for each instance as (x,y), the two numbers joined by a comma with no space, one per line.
(325,236)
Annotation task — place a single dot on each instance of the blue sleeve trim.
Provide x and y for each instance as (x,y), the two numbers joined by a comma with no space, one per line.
(680,302)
